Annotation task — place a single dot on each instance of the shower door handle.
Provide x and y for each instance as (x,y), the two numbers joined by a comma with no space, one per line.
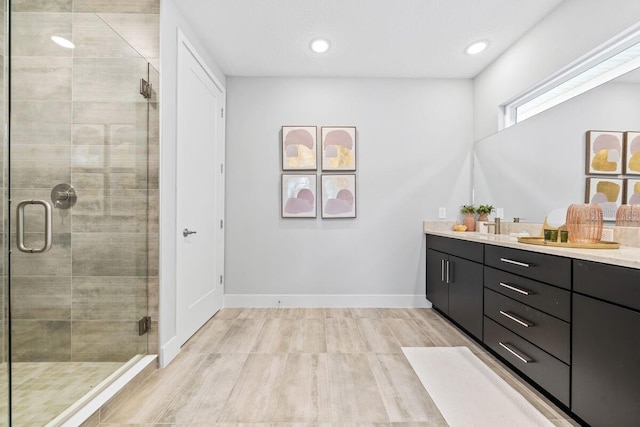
(47,226)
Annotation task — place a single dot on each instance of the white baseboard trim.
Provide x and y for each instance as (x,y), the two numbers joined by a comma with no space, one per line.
(325,301)
(168,352)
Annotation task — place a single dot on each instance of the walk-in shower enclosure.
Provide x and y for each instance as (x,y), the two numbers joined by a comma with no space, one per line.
(79,210)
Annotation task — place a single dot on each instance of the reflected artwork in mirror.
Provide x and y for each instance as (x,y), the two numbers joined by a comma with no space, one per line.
(606,192)
(632,153)
(632,191)
(604,152)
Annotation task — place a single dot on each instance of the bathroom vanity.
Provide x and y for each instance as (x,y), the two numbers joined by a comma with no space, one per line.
(567,320)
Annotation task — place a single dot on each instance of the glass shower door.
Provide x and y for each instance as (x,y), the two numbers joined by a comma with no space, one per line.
(4,288)
(78,210)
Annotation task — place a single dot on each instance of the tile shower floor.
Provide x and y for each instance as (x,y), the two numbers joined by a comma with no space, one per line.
(312,367)
(43,390)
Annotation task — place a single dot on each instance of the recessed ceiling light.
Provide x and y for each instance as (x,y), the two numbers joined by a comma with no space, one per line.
(477,47)
(320,45)
(63,42)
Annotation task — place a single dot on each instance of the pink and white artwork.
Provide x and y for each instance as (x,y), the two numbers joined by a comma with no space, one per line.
(338,148)
(604,152)
(607,192)
(339,196)
(632,153)
(299,148)
(299,196)
(632,191)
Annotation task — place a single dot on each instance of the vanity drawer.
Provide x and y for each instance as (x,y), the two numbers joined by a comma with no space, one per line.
(545,331)
(533,265)
(464,249)
(547,298)
(620,285)
(542,368)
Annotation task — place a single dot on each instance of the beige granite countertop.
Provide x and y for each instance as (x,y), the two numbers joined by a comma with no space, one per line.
(625,256)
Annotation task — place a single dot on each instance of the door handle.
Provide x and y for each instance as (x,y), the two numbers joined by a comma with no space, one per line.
(516,319)
(518,263)
(47,226)
(449,275)
(513,288)
(523,357)
(186,232)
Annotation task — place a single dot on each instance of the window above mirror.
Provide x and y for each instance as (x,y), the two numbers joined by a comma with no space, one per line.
(615,58)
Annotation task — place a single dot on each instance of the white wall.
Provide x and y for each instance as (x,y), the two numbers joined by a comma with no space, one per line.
(170,20)
(570,31)
(414,149)
(539,164)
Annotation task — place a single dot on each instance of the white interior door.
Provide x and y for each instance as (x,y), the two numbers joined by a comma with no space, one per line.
(200,193)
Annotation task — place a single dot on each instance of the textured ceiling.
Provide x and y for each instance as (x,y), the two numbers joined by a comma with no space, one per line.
(370,38)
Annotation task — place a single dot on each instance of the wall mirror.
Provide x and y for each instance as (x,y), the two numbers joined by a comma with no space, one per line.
(538,165)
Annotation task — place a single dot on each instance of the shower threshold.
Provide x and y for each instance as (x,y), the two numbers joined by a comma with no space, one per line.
(98,396)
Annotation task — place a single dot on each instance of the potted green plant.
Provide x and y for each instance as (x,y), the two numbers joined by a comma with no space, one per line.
(469,220)
(484,211)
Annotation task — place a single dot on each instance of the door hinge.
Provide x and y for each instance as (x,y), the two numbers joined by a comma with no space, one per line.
(221,167)
(145,88)
(221,279)
(222,112)
(221,223)
(144,325)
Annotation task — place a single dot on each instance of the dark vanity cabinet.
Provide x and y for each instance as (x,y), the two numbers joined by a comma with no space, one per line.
(569,326)
(454,280)
(527,309)
(606,344)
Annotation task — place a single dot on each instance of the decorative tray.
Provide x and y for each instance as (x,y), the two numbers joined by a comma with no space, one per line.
(540,241)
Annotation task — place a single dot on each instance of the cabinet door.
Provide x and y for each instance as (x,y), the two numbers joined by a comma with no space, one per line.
(465,294)
(605,363)
(437,288)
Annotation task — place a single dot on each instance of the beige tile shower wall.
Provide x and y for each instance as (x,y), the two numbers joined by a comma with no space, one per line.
(82,300)
(41,153)
(138,7)
(137,22)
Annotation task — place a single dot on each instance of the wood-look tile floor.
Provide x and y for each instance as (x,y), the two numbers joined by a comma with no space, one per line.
(315,367)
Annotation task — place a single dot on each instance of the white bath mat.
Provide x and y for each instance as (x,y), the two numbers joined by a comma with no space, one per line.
(467,392)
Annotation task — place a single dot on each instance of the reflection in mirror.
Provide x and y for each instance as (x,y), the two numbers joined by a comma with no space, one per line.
(613,61)
(557,217)
(4,229)
(539,164)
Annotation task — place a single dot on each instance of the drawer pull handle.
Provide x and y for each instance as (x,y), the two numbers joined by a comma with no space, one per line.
(518,263)
(513,288)
(516,319)
(525,359)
